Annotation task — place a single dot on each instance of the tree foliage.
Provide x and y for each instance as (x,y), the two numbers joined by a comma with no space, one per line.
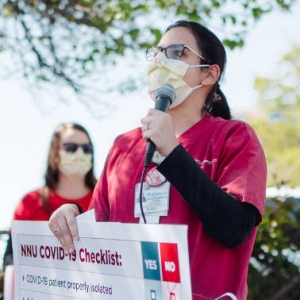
(278,121)
(69,39)
(275,266)
(274,272)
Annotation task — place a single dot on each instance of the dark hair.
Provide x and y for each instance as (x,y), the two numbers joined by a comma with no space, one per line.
(52,174)
(214,52)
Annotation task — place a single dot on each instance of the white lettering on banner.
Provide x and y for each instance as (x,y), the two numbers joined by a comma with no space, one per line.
(170,266)
(151,264)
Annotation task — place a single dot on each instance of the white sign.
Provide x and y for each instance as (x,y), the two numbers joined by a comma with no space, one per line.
(111,261)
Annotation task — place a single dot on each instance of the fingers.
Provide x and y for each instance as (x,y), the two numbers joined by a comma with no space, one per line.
(157,126)
(150,122)
(64,226)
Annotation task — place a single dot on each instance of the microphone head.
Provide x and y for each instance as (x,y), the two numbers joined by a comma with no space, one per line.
(166,90)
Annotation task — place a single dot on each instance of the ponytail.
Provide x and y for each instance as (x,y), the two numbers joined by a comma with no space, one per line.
(216,103)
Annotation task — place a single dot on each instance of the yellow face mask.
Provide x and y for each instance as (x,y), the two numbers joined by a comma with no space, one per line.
(74,164)
(164,70)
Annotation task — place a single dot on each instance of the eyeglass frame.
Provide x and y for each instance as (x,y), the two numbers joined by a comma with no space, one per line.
(164,49)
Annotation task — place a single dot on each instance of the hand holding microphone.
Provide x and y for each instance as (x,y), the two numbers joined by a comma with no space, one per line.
(164,95)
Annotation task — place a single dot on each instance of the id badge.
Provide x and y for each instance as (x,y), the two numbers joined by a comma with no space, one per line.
(155,199)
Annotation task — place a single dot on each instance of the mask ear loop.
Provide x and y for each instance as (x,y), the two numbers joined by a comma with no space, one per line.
(198,66)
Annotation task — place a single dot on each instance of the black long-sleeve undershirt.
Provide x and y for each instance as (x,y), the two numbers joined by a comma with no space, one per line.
(224,217)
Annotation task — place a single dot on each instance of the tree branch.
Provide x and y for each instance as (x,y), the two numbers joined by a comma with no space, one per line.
(286,288)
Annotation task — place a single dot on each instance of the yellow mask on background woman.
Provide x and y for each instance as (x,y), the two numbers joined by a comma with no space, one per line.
(75,164)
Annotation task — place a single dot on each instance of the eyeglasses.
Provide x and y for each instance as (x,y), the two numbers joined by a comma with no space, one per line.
(173,51)
(72,147)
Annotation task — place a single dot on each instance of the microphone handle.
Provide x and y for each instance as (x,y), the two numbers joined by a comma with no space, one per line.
(149,153)
(162,104)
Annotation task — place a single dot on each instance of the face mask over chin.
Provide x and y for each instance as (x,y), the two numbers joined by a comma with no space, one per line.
(74,164)
(163,70)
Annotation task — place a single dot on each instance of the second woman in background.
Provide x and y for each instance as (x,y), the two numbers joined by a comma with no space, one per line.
(69,178)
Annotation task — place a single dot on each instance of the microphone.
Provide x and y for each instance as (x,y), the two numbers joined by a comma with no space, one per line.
(164,96)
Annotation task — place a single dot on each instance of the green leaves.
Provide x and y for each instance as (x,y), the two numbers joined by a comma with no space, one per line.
(232,44)
(46,27)
(274,265)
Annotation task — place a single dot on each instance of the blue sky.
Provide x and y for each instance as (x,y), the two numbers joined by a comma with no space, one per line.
(25,131)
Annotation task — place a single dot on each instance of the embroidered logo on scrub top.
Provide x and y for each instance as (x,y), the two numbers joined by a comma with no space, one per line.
(201,163)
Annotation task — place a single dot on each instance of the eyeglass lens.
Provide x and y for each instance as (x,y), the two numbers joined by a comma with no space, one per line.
(72,147)
(173,51)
